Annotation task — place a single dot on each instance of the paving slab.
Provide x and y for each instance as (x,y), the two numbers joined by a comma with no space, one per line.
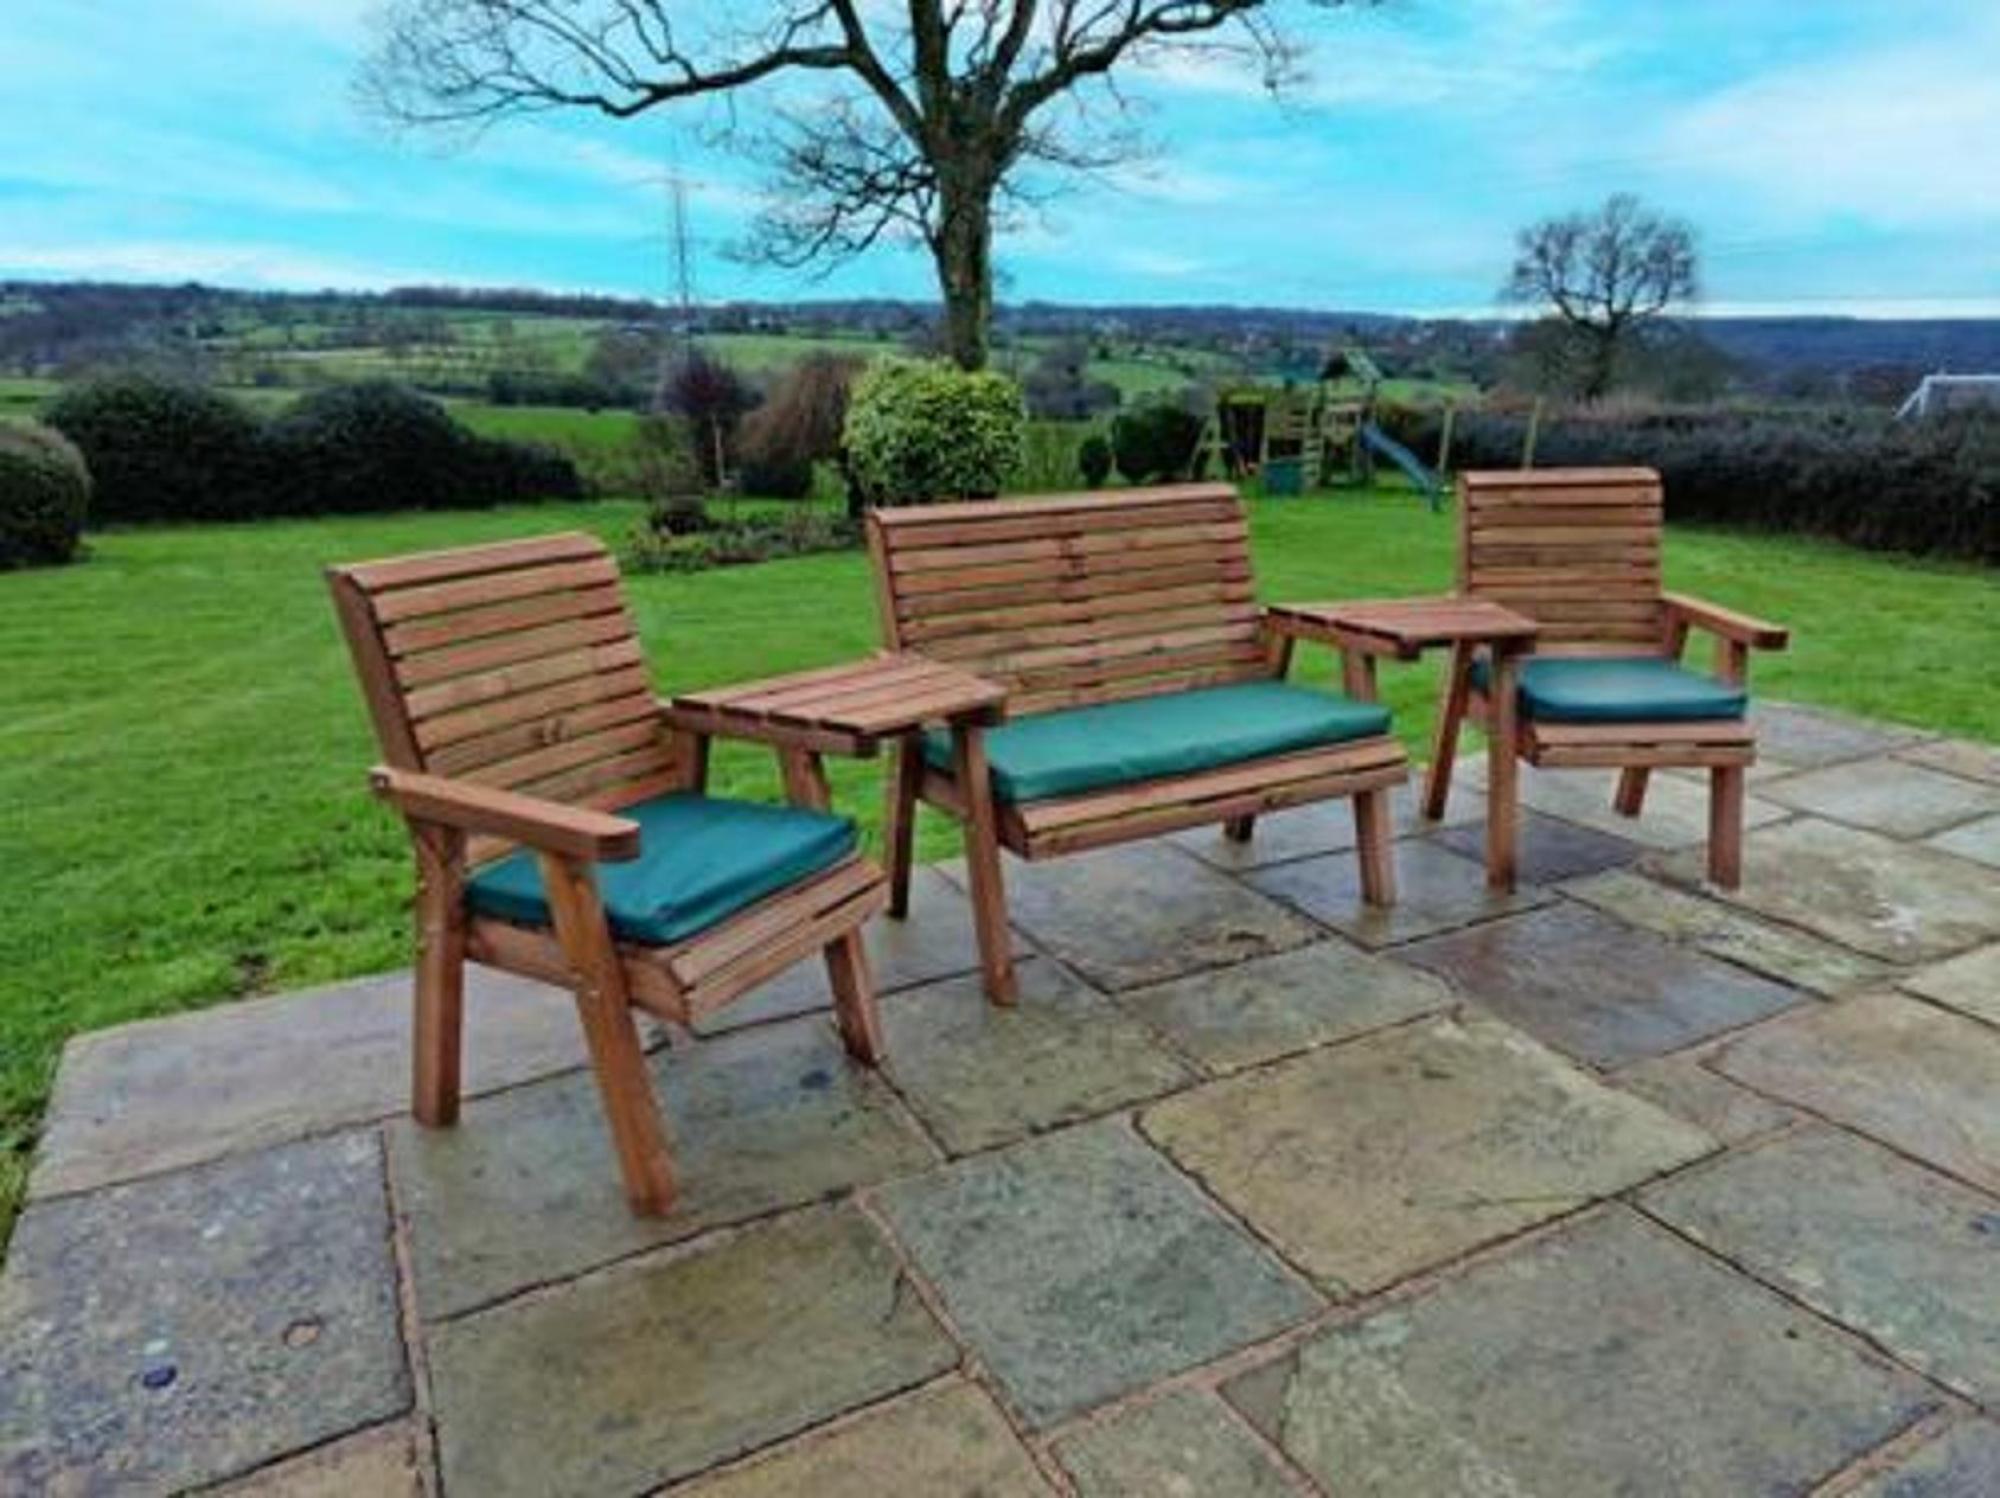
(1550,849)
(1915,1077)
(1601,990)
(946,1442)
(1143,913)
(1969,983)
(1606,1358)
(526,1189)
(186,1328)
(980,1075)
(1979,841)
(1885,795)
(1323,827)
(1901,1254)
(378,1463)
(675,1363)
(1957,756)
(934,941)
(1814,736)
(1901,902)
(164,1093)
(1272,1006)
(1675,816)
(1371,1161)
(1725,931)
(1686,1088)
(1964,1462)
(1080,1266)
(1436,890)
(1185,1444)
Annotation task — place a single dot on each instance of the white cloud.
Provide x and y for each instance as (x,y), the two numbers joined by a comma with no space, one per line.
(234,263)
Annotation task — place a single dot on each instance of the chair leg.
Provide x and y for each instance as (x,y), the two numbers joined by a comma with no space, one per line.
(1374,847)
(1503,775)
(899,822)
(1630,798)
(1725,825)
(616,1056)
(1239,829)
(1444,737)
(438,1042)
(982,864)
(854,1008)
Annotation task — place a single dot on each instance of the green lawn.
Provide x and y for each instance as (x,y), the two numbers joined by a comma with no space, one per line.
(181,745)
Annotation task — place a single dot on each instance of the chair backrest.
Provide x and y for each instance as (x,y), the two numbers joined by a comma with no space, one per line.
(1575,549)
(1075,598)
(513,665)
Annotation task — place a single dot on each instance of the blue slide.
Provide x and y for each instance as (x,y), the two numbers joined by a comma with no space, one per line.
(1413,467)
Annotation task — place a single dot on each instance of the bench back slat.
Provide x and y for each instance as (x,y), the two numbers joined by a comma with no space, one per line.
(1575,549)
(1069,599)
(514,665)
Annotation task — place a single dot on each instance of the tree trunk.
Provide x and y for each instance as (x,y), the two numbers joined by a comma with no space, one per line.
(1600,368)
(964,252)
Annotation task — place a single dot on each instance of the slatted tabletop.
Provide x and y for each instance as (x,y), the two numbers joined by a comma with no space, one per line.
(1407,626)
(849,708)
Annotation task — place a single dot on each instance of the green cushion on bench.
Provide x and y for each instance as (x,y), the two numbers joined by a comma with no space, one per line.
(700,861)
(1619,689)
(1114,743)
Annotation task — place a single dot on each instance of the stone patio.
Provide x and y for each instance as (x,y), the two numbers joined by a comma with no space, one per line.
(1616,1185)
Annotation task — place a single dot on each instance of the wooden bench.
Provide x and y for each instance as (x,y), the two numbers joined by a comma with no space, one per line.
(1075,601)
(1578,551)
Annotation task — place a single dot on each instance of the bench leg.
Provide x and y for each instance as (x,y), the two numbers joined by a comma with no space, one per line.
(1239,829)
(982,864)
(1725,825)
(1444,737)
(899,822)
(438,1042)
(1374,847)
(1503,775)
(854,998)
(1630,798)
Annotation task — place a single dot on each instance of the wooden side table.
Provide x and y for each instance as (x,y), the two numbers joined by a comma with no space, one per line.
(1403,628)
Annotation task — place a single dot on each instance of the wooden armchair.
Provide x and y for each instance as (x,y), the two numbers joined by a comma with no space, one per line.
(1144,687)
(561,830)
(1578,551)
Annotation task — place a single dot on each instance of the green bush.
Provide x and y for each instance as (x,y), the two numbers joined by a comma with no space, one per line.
(731,543)
(1155,442)
(160,449)
(798,425)
(1093,459)
(44,496)
(919,431)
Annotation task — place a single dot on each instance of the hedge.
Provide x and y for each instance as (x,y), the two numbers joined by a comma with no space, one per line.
(44,496)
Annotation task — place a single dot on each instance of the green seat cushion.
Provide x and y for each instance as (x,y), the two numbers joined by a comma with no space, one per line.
(700,861)
(1618,689)
(1114,743)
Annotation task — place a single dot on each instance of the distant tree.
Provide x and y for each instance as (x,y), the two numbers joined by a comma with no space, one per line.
(939,112)
(1604,274)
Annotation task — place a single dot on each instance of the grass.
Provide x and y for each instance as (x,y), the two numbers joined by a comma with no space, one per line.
(181,743)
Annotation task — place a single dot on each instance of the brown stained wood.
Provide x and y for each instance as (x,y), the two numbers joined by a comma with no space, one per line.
(1503,771)
(854,1008)
(982,863)
(811,929)
(1129,506)
(461,562)
(421,669)
(438,1039)
(805,779)
(547,825)
(1374,847)
(587,691)
(478,625)
(1726,623)
(929,633)
(695,961)
(1444,734)
(1725,825)
(899,820)
(1630,797)
(396,605)
(518,678)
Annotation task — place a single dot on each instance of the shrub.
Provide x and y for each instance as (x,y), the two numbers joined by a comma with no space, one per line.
(919,431)
(44,496)
(754,538)
(1093,460)
(160,449)
(1155,441)
(712,398)
(798,425)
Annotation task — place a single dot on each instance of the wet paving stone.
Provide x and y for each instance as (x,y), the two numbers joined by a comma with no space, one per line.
(1964,1462)
(183,1329)
(1143,913)
(934,941)
(1913,1076)
(1550,849)
(1183,1445)
(980,1075)
(1969,983)
(1897,901)
(1436,890)
(1688,1089)
(1885,795)
(1675,816)
(1957,757)
(1324,827)
(526,1189)
(1597,988)
(163,1093)
(1607,1358)
(1811,736)
(1724,931)
(672,1364)
(948,1442)
(1905,1256)
(1272,1006)
(1370,1161)
(1080,1267)
(1979,841)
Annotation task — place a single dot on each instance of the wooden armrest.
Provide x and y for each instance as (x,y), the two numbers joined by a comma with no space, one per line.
(846,709)
(1729,624)
(547,826)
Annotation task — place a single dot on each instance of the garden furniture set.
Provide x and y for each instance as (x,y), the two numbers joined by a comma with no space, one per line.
(1059,674)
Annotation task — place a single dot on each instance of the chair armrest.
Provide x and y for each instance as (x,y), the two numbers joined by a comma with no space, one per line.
(1730,625)
(546,826)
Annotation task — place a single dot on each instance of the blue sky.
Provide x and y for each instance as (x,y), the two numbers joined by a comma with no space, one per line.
(1836,155)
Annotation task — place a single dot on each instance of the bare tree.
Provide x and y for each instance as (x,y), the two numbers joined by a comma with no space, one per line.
(937,116)
(1604,274)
